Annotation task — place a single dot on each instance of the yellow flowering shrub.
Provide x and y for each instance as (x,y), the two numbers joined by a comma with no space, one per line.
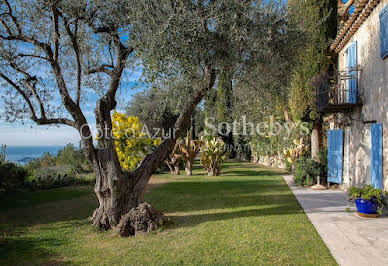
(132,145)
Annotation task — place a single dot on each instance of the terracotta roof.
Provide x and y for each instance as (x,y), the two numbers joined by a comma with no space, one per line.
(360,14)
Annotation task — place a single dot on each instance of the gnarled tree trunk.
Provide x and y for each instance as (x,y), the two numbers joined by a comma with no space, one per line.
(174,167)
(121,194)
(122,206)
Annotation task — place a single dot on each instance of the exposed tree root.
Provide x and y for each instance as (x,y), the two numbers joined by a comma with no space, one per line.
(142,219)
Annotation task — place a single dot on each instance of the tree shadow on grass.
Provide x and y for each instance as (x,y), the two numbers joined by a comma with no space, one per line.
(195,219)
(66,210)
(25,250)
(252,173)
(208,195)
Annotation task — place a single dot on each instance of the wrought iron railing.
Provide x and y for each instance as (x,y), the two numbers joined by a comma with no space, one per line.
(338,91)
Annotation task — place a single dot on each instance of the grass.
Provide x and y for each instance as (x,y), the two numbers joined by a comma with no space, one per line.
(246,216)
(28,199)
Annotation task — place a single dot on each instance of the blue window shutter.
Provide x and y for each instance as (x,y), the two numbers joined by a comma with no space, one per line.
(335,156)
(377,155)
(384,32)
(353,74)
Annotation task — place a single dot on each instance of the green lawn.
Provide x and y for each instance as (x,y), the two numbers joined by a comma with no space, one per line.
(246,216)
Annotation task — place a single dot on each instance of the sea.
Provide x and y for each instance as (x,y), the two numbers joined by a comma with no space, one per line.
(24,154)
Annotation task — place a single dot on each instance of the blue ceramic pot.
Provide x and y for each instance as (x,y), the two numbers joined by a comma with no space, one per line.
(366,206)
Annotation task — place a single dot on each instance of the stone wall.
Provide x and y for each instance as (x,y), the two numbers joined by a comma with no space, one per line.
(373,82)
(270,161)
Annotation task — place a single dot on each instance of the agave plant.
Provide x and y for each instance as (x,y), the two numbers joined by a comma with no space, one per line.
(173,160)
(189,149)
(299,148)
(213,155)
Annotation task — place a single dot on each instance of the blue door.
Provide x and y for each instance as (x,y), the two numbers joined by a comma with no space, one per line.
(377,155)
(335,156)
(353,74)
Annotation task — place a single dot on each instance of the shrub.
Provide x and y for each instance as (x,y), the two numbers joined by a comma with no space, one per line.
(51,177)
(70,155)
(288,166)
(306,171)
(45,172)
(12,176)
(67,156)
(369,193)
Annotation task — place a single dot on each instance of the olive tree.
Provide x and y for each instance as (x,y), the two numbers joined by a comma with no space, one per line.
(319,20)
(53,52)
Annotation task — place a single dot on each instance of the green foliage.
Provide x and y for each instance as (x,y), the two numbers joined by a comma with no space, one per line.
(224,96)
(12,176)
(47,171)
(288,166)
(306,171)
(69,155)
(51,177)
(318,19)
(369,193)
(269,145)
(209,113)
(217,41)
(156,107)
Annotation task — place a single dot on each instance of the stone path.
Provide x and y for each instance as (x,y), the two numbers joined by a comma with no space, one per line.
(352,240)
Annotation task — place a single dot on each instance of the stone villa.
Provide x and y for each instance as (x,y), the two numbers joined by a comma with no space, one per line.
(358,100)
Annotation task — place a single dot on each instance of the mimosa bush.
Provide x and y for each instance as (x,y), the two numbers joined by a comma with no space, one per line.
(132,145)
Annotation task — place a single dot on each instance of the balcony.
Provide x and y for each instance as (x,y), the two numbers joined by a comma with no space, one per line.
(339,92)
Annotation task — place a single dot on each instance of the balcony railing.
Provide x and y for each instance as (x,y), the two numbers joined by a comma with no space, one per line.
(338,92)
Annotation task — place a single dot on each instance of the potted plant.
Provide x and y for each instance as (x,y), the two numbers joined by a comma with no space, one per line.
(370,202)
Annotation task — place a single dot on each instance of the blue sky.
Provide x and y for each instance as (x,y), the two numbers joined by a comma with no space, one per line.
(351,10)
(29,134)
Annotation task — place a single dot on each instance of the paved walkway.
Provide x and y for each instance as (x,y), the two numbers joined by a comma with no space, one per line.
(352,240)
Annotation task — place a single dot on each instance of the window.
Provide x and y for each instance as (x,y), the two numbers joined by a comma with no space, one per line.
(384,32)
